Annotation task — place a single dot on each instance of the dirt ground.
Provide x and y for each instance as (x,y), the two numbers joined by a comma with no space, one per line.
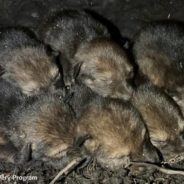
(128,16)
(92,174)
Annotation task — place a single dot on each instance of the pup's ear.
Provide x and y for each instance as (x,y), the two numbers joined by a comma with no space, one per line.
(2,70)
(50,51)
(174,94)
(80,140)
(76,70)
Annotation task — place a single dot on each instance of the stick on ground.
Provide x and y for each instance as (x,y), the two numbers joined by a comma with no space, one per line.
(67,169)
(161,169)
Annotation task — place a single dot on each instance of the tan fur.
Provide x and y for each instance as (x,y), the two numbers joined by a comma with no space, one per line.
(162,117)
(158,52)
(115,129)
(3,138)
(107,66)
(50,125)
(153,60)
(7,149)
(31,69)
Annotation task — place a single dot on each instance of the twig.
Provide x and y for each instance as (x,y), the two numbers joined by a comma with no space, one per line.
(67,169)
(77,161)
(161,169)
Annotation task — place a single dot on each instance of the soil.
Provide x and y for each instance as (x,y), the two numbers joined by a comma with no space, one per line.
(128,16)
(92,174)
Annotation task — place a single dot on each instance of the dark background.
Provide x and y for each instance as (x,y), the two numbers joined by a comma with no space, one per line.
(127,15)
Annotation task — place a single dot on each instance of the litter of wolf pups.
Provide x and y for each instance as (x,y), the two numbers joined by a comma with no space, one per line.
(72,100)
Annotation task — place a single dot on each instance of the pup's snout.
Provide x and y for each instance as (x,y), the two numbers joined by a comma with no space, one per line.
(150,153)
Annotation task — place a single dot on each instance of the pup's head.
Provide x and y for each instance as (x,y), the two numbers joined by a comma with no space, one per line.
(117,132)
(32,70)
(105,68)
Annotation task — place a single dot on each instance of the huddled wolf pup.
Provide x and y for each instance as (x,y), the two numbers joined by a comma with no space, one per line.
(162,117)
(105,68)
(116,132)
(25,62)
(159,53)
(46,125)
(65,30)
